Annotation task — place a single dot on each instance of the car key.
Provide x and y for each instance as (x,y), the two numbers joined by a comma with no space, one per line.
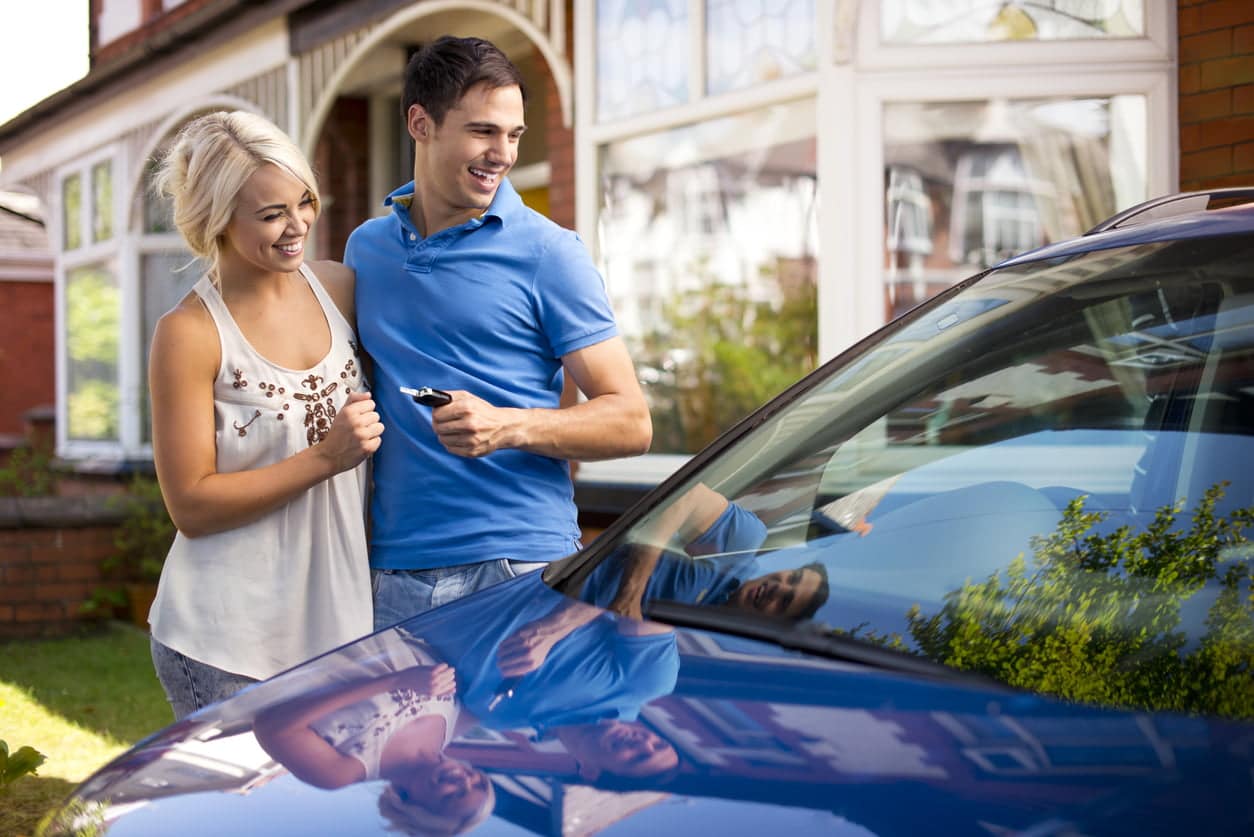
(427,396)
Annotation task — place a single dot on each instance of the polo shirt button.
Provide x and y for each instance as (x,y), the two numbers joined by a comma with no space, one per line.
(413,236)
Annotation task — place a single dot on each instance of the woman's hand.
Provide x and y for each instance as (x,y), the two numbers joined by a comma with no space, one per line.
(439,680)
(355,433)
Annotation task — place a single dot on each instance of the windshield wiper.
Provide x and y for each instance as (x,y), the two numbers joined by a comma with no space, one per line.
(810,637)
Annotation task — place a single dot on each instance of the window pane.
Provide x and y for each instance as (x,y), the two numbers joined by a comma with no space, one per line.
(101,202)
(970,183)
(751,41)
(642,62)
(166,278)
(717,306)
(72,212)
(92,318)
(978,21)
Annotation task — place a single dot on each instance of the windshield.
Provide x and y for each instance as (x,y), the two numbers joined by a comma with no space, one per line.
(1046,478)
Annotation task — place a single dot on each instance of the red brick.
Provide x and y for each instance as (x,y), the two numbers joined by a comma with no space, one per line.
(28,351)
(1230,131)
(1217,14)
(69,591)
(1191,137)
(1215,162)
(1243,157)
(1201,107)
(1206,46)
(1227,72)
(6,613)
(16,572)
(1190,79)
(79,571)
(38,612)
(16,593)
(1243,99)
(1243,40)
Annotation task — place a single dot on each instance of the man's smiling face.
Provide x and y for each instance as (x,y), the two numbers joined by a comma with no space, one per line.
(463,160)
(785,593)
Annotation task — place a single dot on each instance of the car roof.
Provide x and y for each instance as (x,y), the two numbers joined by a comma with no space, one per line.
(1184,215)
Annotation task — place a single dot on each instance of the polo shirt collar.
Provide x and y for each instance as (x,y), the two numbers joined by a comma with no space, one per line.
(506,205)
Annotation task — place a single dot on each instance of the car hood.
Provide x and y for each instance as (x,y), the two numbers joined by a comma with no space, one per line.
(623,727)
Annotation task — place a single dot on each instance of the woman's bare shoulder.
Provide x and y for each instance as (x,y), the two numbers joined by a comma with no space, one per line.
(187,330)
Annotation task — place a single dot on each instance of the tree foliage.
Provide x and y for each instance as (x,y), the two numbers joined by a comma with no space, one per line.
(722,354)
(1158,618)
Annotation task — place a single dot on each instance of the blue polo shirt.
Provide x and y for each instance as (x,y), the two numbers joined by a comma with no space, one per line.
(596,672)
(490,306)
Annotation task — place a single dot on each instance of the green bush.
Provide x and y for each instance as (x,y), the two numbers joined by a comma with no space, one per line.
(1098,618)
(143,539)
(15,765)
(28,472)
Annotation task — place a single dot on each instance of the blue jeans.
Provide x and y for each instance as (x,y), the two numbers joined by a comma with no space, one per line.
(190,685)
(400,594)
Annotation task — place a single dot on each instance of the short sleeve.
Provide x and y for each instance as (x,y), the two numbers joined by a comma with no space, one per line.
(570,297)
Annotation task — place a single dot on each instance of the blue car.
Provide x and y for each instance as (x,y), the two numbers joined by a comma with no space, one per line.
(988,572)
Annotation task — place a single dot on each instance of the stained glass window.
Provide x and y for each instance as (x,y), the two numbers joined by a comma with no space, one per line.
(753,41)
(642,56)
(980,21)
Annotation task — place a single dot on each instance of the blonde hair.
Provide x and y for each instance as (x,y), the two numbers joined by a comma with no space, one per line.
(208,163)
(411,817)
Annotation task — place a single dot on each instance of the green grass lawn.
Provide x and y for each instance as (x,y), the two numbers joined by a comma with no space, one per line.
(78,700)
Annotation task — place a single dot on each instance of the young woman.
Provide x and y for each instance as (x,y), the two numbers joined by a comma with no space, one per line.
(262,423)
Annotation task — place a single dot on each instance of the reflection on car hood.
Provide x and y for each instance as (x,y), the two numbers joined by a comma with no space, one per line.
(625,727)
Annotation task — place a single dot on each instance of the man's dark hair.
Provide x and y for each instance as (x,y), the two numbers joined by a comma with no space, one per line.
(820,595)
(441,72)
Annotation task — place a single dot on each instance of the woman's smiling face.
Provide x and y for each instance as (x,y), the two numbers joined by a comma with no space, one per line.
(273,214)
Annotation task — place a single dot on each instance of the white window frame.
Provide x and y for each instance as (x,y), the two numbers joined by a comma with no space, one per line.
(866,306)
(117,249)
(1158,43)
(856,77)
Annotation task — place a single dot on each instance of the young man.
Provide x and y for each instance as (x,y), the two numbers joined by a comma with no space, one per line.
(463,288)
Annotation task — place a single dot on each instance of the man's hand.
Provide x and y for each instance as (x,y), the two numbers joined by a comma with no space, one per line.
(469,426)
(527,649)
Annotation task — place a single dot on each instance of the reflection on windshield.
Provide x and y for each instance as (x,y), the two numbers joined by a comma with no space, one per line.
(1048,478)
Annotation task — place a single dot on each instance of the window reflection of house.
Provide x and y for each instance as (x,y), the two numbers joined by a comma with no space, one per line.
(995,204)
(909,222)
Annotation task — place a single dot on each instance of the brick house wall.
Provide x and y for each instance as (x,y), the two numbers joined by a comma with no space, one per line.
(1216,93)
(51,552)
(343,169)
(27,341)
(27,350)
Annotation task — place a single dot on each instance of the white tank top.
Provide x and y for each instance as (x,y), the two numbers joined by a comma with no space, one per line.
(363,729)
(263,597)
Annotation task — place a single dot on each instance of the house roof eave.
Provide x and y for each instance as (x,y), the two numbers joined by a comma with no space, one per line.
(205,27)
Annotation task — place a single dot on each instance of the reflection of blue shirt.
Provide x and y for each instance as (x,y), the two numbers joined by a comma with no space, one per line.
(721,558)
(596,672)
